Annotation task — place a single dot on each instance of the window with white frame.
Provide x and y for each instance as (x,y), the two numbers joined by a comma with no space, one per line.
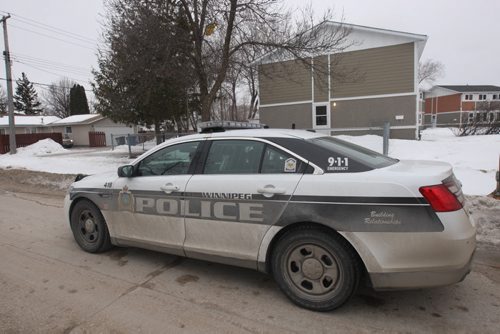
(468,97)
(495,97)
(482,97)
(68,129)
(321,117)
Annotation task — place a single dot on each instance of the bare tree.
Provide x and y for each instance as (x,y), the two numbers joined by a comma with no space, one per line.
(57,98)
(484,121)
(220,29)
(429,71)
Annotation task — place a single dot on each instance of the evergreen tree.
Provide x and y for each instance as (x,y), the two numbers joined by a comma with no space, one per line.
(78,104)
(26,97)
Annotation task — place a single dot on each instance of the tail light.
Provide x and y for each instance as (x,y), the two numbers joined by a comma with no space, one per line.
(441,198)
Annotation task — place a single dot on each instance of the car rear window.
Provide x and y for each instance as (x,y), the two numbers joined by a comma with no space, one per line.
(335,155)
(343,149)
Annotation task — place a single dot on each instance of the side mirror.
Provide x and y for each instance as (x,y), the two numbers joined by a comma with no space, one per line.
(126,171)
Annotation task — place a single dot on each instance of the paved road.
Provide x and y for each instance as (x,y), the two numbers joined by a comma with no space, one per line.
(48,285)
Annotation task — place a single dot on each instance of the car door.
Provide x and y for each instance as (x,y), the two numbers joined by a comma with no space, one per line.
(242,189)
(149,209)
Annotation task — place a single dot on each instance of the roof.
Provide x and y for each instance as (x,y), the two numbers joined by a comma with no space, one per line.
(419,39)
(471,88)
(79,119)
(29,120)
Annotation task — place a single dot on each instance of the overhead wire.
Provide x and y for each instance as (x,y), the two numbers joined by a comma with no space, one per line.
(46,85)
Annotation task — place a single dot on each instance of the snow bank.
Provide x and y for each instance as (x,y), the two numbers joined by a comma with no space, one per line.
(485,214)
(474,158)
(41,147)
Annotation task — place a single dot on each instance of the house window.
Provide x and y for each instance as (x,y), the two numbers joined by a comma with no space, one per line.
(470,117)
(491,117)
(495,96)
(468,97)
(482,97)
(67,129)
(321,115)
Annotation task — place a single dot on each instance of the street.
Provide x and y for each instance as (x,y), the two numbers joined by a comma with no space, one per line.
(49,285)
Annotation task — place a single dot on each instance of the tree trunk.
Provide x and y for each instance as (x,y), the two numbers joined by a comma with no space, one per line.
(158,133)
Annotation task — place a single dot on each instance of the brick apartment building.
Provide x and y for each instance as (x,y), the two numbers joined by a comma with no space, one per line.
(459,104)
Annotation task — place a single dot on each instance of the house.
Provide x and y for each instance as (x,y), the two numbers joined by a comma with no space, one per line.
(458,104)
(78,127)
(28,124)
(383,86)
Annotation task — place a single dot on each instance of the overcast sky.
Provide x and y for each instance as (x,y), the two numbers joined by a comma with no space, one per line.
(463,35)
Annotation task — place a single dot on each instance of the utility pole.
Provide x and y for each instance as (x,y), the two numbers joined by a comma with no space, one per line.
(10,103)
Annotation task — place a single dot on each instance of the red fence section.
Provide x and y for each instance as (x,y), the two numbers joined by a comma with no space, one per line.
(23,140)
(97,139)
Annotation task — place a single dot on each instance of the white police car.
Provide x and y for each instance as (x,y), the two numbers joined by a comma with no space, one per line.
(317,213)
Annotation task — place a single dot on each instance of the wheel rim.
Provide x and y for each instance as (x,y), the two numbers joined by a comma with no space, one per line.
(87,227)
(312,270)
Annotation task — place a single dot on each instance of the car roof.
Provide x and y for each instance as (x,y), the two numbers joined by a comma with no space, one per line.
(252,133)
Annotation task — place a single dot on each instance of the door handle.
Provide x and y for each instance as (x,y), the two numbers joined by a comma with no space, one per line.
(270,190)
(169,188)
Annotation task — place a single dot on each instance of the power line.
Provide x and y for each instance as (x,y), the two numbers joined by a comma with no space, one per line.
(48,85)
(49,27)
(55,38)
(52,66)
(28,57)
(50,72)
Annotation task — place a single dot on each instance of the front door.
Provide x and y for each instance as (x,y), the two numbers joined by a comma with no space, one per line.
(149,209)
(244,188)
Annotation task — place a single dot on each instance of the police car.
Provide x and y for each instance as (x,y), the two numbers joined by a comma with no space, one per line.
(318,213)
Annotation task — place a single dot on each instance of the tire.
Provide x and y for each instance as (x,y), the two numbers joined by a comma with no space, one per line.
(316,269)
(89,227)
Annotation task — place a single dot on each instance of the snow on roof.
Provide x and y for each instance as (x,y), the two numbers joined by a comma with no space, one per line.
(29,120)
(79,119)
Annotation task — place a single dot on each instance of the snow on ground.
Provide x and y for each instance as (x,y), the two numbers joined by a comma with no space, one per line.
(474,158)
(48,156)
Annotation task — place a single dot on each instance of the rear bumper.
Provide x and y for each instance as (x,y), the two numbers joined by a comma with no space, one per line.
(418,260)
(419,279)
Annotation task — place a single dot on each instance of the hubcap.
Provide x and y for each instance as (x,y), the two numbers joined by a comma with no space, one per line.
(312,269)
(87,227)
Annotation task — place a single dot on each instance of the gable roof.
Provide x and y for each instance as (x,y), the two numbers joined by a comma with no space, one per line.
(79,119)
(471,88)
(29,120)
(396,37)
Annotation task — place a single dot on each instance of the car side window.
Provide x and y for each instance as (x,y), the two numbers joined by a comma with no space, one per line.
(234,157)
(276,161)
(172,160)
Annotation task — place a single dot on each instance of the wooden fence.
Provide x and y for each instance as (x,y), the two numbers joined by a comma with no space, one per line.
(23,140)
(97,139)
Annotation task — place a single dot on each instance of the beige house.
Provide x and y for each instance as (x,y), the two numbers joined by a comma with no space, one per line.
(28,124)
(380,85)
(77,127)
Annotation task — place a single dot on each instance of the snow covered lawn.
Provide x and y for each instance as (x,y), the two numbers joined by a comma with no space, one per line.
(474,158)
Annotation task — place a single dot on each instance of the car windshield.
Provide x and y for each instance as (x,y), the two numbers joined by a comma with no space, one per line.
(362,155)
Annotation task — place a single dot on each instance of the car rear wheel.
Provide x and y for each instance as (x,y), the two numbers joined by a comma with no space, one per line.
(316,269)
(89,227)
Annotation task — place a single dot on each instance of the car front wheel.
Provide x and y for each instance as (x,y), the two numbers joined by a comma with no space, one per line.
(316,269)
(89,227)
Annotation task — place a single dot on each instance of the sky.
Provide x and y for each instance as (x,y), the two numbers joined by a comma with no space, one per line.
(51,39)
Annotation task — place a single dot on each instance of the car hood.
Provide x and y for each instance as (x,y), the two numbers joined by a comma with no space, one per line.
(96,180)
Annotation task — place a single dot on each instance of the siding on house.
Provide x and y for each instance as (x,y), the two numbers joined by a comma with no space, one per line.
(321,79)
(377,71)
(284,116)
(374,112)
(284,82)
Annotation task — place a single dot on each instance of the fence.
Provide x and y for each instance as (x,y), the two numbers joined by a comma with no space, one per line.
(97,139)
(139,143)
(23,140)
